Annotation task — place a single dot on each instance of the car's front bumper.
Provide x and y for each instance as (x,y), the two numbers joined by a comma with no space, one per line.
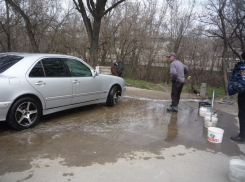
(4,107)
(123,91)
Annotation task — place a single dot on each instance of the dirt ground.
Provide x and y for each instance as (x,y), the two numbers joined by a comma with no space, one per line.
(157,95)
(137,140)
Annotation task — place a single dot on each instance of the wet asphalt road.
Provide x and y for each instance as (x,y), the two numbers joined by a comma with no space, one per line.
(98,134)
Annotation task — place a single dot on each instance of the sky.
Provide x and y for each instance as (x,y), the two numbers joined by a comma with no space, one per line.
(184,3)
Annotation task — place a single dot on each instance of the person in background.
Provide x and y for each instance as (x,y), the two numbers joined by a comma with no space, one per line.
(114,69)
(119,65)
(237,85)
(177,71)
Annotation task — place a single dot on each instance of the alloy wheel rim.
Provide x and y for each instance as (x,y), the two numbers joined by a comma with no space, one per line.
(115,97)
(26,113)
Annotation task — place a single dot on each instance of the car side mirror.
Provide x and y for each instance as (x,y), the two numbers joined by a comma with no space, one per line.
(94,73)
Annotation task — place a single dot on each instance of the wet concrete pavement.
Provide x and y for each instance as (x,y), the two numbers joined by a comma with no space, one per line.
(135,141)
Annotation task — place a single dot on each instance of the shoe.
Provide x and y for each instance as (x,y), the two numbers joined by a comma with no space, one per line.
(172,109)
(238,139)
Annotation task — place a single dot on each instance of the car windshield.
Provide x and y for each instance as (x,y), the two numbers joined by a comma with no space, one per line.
(6,61)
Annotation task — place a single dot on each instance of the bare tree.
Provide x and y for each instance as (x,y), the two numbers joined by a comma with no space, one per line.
(39,21)
(226,22)
(236,21)
(180,22)
(6,28)
(6,23)
(28,25)
(97,11)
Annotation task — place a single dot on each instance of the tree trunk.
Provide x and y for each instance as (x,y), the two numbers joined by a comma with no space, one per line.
(93,52)
(103,57)
(94,43)
(225,41)
(224,68)
(32,38)
(8,28)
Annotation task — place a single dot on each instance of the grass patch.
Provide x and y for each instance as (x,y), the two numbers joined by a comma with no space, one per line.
(144,84)
(219,92)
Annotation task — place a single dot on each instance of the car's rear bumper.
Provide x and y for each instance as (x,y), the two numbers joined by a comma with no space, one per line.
(4,107)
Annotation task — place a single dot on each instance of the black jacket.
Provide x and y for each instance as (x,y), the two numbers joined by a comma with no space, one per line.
(120,67)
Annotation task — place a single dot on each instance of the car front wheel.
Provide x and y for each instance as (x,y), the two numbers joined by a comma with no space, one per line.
(113,97)
(25,113)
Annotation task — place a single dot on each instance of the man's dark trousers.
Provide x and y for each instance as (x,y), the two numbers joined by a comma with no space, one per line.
(176,91)
(241,113)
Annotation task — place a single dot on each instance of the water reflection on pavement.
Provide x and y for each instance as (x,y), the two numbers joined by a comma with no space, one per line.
(100,134)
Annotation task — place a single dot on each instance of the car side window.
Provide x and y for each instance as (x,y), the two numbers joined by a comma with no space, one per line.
(6,61)
(77,68)
(54,67)
(37,70)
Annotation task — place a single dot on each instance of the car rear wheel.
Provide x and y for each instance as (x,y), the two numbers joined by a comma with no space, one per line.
(25,113)
(113,97)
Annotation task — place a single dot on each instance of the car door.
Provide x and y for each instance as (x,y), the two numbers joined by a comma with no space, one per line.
(85,86)
(52,80)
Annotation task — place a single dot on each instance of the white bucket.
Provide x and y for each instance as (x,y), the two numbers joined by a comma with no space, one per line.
(208,118)
(203,110)
(215,135)
(208,113)
(237,170)
(209,123)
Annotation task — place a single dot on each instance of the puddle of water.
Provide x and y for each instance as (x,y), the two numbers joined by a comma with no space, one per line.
(100,134)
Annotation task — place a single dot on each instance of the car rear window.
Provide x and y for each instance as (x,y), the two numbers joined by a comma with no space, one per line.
(6,61)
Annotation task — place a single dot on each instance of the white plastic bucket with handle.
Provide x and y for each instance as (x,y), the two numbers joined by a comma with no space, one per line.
(215,135)
(209,123)
(237,170)
(208,113)
(203,110)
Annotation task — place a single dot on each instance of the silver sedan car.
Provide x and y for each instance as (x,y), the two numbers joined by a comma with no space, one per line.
(33,85)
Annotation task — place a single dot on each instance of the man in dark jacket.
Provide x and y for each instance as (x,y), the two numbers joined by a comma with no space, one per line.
(120,67)
(178,71)
(237,85)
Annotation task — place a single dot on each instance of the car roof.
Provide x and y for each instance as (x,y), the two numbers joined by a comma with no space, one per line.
(24,54)
(28,60)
